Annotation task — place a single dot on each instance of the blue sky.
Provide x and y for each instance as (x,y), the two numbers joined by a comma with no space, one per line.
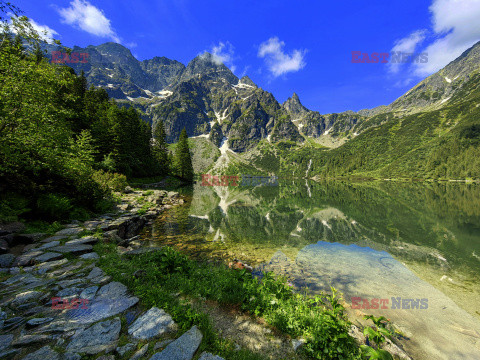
(283,46)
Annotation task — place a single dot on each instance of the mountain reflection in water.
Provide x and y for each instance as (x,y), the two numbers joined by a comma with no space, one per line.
(368,240)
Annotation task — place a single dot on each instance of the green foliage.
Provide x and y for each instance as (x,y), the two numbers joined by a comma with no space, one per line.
(377,334)
(54,134)
(160,147)
(110,181)
(183,160)
(12,206)
(320,320)
(54,206)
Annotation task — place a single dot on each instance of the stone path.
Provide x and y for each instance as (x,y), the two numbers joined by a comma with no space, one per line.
(57,305)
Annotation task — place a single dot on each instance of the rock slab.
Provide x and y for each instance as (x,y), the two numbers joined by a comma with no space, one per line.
(153,323)
(100,337)
(183,348)
(44,353)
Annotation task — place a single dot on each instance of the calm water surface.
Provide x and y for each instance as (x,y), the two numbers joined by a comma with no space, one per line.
(379,240)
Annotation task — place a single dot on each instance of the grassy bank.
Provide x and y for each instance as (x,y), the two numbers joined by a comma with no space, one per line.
(170,280)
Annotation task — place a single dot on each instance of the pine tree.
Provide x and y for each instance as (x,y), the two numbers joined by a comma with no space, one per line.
(160,149)
(183,159)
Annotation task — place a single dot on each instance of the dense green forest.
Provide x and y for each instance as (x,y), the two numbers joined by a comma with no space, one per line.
(64,147)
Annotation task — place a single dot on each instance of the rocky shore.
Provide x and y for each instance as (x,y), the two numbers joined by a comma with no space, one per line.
(56,304)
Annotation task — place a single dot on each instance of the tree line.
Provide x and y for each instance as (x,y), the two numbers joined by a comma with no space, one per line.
(64,146)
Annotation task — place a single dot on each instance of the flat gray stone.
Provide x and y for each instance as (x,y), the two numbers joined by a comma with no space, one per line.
(90,256)
(110,300)
(69,231)
(122,350)
(112,290)
(30,339)
(9,353)
(100,337)
(22,279)
(49,265)
(153,323)
(71,356)
(89,293)
(49,245)
(26,297)
(98,276)
(54,238)
(69,283)
(183,348)
(5,341)
(6,260)
(69,292)
(49,256)
(44,353)
(139,354)
(83,240)
(39,321)
(74,249)
(26,259)
(209,356)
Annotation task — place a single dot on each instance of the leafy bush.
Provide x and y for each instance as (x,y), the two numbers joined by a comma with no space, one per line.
(320,320)
(110,181)
(54,206)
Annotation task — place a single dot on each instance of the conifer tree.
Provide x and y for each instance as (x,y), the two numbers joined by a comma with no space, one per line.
(183,159)
(160,149)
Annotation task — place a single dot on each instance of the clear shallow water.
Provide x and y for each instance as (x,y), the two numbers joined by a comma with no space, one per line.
(369,240)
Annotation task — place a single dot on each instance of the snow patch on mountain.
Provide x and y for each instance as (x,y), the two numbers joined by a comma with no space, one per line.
(445,100)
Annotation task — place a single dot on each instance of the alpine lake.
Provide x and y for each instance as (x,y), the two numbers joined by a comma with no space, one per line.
(409,251)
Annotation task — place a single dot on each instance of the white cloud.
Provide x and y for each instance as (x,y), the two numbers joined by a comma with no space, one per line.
(223,53)
(457,27)
(278,61)
(407,45)
(46,33)
(88,18)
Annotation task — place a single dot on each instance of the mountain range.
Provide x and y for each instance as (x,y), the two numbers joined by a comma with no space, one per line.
(239,126)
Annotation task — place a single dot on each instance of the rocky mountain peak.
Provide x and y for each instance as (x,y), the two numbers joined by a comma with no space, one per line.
(207,64)
(294,107)
(247,81)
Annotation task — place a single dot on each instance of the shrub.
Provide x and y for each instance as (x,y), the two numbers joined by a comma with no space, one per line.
(54,206)
(110,181)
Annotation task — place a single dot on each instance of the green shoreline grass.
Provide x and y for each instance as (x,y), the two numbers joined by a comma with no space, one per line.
(168,279)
